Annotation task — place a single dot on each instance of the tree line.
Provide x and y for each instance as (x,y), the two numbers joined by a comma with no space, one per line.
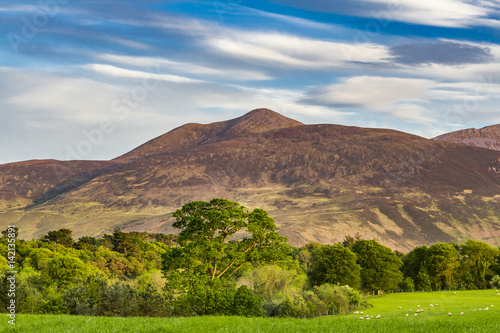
(227,260)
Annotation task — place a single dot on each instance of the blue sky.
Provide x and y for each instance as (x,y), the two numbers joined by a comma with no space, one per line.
(94,79)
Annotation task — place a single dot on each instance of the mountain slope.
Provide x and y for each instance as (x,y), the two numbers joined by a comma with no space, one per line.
(320,182)
(487,137)
(194,135)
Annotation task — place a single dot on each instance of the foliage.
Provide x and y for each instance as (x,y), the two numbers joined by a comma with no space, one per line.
(206,251)
(61,236)
(269,280)
(442,265)
(379,265)
(334,264)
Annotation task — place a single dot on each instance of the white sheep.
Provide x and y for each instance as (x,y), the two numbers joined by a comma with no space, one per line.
(361,318)
(416,314)
(407,315)
(454,293)
(377,317)
(418,306)
(356,312)
(461,313)
(449,313)
(431,305)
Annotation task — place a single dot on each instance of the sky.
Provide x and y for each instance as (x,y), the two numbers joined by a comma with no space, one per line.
(93,79)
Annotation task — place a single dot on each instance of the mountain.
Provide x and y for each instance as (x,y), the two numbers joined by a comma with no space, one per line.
(194,135)
(319,182)
(486,137)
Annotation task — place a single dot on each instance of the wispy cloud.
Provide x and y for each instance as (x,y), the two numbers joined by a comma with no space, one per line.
(292,51)
(185,67)
(134,74)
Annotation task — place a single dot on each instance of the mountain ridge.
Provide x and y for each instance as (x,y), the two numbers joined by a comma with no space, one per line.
(320,182)
(486,137)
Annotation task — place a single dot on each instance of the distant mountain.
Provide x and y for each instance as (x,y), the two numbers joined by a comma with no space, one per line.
(320,183)
(487,137)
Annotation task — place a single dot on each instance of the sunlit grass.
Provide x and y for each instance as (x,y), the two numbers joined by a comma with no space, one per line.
(393,319)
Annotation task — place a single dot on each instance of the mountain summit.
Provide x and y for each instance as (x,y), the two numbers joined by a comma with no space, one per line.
(193,135)
(486,137)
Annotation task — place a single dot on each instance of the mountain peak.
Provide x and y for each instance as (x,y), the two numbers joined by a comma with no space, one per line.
(261,120)
(193,134)
(486,137)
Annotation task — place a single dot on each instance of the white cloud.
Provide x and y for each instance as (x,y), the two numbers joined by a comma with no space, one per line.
(184,67)
(445,13)
(292,51)
(371,91)
(134,74)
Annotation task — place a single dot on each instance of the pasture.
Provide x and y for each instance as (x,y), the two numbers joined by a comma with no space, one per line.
(480,314)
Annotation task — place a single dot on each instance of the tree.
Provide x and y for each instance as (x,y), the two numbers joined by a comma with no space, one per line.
(442,264)
(334,264)
(477,257)
(415,267)
(269,280)
(61,236)
(62,270)
(207,251)
(379,265)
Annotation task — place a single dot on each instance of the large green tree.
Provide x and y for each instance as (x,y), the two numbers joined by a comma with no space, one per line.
(379,265)
(476,258)
(442,264)
(209,248)
(334,264)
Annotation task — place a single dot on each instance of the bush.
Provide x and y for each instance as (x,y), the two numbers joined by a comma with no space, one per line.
(218,298)
(407,284)
(246,303)
(495,282)
(88,297)
(338,298)
(121,300)
(151,302)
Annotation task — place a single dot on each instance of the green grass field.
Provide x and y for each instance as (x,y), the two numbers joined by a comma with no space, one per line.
(393,319)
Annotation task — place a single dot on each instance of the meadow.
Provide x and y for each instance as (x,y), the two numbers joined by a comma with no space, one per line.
(473,304)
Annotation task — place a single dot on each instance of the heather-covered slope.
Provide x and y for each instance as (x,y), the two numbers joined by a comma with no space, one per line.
(487,137)
(320,182)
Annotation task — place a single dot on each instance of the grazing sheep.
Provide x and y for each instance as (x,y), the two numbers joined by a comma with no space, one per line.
(368,318)
(356,312)
(431,305)
(416,314)
(435,304)
(487,308)
(377,317)
(454,293)
(361,318)
(449,313)
(418,306)
(361,312)
(407,315)
(400,307)
(461,313)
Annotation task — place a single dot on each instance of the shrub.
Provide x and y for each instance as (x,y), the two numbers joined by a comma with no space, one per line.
(87,298)
(495,282)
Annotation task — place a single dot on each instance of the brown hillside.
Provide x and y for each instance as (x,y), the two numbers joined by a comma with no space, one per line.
(487,137)
(320,182)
